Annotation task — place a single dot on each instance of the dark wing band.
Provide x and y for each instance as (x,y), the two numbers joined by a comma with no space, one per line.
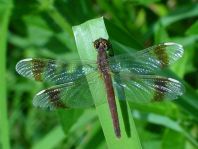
(68,95)
(149,88)
(56,72)
(147,61)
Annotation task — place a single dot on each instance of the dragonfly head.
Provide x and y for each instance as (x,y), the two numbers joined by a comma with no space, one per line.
(102,43)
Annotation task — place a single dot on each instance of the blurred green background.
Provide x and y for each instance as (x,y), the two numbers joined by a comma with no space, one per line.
(43,28)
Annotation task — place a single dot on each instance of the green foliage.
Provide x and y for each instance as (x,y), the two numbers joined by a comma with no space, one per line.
(5,11)
(43,28)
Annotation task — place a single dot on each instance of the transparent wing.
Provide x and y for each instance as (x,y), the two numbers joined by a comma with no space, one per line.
(53,71)
(149,88)
(68,95)
(147,61)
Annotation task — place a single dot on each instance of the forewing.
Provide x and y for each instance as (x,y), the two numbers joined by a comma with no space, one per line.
(147,61)
(53,71)
(68,95)
(149,88)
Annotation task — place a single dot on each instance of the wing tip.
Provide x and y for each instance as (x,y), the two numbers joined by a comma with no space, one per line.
(173,80)
(39,93)
(20,63)
(181,87)
(175,49)
(173,43)
(178,46)
(43,100)
(39,102)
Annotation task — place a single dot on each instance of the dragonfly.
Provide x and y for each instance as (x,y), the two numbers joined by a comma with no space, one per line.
(72,80)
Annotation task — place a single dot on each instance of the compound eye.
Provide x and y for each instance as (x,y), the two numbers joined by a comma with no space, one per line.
(97,45)
(108,46)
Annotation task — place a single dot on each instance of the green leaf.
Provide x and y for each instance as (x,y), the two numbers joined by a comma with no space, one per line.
(161,35)
(157,119)
(193,30)
(167,122)
(177,15)
(180,13)
(143,2)
(172,137)
(51,140)
(189,101)
(5,12)
(68,118)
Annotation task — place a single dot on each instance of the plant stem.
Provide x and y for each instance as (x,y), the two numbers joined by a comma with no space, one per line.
(5,11)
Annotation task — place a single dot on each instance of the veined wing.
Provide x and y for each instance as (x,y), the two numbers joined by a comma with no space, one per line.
(147,61)
(149,88)
(68,95)
(53,71)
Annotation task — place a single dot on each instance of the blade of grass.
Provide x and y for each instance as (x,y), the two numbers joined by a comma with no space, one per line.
(85,34)
(189,100)
(5,13)
(166,122)
(51,140)
(48,7)
(181,13)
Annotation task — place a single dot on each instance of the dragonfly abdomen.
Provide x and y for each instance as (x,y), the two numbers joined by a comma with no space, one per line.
(103,67)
